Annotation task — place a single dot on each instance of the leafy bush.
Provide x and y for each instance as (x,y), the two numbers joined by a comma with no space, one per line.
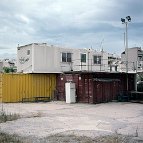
(8,70)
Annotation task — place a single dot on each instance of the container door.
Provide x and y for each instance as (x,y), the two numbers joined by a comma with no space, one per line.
(106,91)
(97,92)
(83,91)
(60,91)
(102,91)
(80,91)
(115,86)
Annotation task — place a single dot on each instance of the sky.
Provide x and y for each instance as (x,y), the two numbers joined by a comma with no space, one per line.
(70,23)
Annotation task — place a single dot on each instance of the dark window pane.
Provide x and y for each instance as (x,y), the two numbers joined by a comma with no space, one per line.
(63,57)
(83,58)
(97,59)
(28,52)
(69,57)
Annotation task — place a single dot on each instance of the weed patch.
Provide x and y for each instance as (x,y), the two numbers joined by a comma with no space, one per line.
(6,138)
(83,139)
(8,117)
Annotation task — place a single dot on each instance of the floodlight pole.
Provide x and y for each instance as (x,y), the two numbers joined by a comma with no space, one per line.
(125,21)
(126,48)
(126,52)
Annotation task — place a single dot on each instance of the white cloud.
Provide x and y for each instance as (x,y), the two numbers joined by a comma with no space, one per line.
(23,18)
(76,23)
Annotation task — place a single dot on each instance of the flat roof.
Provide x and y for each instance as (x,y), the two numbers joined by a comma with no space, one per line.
(90,72)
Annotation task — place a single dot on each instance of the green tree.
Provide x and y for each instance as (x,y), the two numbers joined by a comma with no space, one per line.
(8,69)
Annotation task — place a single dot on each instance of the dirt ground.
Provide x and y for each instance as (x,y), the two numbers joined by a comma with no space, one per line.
(43,120)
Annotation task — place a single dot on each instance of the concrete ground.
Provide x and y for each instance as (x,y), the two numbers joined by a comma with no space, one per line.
(40,120)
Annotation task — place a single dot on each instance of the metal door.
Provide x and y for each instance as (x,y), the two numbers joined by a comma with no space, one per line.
(97,92)
(106,91)
(115,89)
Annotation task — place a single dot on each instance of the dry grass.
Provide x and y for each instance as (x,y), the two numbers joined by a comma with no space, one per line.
(6,138)
(83,139)
(8,117)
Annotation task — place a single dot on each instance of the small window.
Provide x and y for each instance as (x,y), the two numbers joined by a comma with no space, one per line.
(97,59)
(83,58)
(67,57)
(63,57)
(28,52)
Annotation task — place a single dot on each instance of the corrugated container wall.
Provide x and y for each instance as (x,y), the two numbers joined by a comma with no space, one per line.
(15,87)
(95,87)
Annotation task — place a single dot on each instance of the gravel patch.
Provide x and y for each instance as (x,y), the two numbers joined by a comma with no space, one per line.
(60,121)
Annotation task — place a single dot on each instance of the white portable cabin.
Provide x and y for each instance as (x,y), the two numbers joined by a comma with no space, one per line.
(43,58)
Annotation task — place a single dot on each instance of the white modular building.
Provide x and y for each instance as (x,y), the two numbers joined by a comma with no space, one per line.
(132,59)
(44,58)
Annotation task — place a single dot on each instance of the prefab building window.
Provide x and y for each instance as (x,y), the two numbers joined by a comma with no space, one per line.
(63,57)
(66,57)
(83,58)
(69,58)
(28,52)
(97,59)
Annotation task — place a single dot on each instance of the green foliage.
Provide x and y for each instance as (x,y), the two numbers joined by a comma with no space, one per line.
(140,77)
(8,69)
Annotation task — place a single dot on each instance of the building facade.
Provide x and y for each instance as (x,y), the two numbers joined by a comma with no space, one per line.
(8,63)
(43,58)
(134,58)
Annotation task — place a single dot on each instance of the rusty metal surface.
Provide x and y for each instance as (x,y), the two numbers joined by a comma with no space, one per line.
(95,87)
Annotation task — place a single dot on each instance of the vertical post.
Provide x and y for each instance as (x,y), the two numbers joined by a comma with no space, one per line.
(136,66)
(80,60)
(88,60)
(126,52)
(100,67)
(88,89)
(135,82)
(124,40)
(126,48)
(91,64)
(110,66)
(102,62)
(33,57)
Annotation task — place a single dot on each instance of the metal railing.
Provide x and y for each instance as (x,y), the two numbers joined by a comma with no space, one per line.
(105,65)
